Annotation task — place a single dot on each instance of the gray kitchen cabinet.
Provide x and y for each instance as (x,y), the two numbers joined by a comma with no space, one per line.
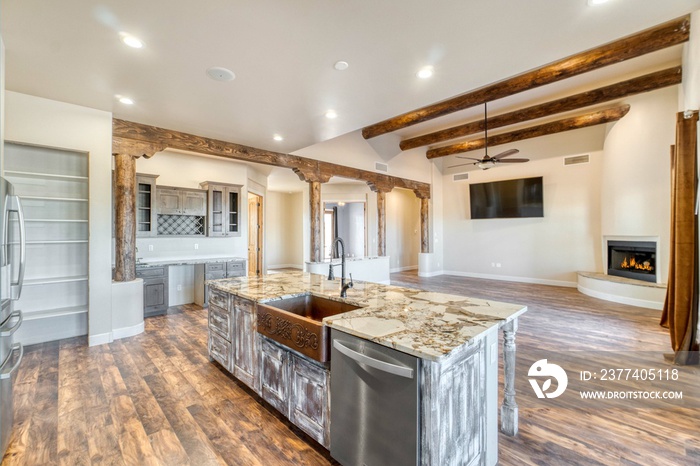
(155,290)
(221,330)
(274,374)
(181,201)
(168,201)
(145,204)
(235,268)
(245,343)
(223,208)
(309,398)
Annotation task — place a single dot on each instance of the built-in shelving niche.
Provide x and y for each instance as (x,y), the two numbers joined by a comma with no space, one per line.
(53,186)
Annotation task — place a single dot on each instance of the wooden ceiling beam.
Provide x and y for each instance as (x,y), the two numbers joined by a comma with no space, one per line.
(650,40)
(567,124)
(646,83)
(126,134)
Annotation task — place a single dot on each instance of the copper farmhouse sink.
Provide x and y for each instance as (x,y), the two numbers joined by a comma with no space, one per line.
(297,323)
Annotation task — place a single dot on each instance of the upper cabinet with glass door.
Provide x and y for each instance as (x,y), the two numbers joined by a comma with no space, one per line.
(223,209)
(145,205)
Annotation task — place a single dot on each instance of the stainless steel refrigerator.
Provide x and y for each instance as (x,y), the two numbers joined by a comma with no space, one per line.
(12,261)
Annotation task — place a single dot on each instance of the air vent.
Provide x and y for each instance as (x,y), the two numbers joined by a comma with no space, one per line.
(576,159)
(460,177)
(381,167)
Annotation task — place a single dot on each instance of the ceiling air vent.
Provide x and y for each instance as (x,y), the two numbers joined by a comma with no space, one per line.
(381,167)
(460,177)
(576,159)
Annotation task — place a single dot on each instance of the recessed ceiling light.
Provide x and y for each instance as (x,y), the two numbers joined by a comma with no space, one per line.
(596,2)
(126,101)
(341,65)
(277,137)
(218,73)
(331,114)
(425,72)
(131,41)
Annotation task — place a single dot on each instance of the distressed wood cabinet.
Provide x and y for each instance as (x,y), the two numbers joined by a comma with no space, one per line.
(223,209)
(274,374)
(309,400)
(221,330)
(245,342)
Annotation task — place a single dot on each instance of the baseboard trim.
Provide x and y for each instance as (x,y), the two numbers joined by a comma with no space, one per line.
(126,332)
(100,339)
(403,269)
(285,266)
(506,278)
(430,274)
(621,299)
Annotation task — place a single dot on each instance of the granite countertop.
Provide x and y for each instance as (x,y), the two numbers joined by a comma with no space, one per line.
(421,323)
(186,261)
(349,259)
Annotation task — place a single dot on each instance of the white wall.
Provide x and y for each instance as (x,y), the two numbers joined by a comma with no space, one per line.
(545,250)
(34,120)
(635,182)
(402,229)
(283,230)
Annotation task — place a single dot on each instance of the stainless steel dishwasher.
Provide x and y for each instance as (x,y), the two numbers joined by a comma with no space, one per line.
(375,399)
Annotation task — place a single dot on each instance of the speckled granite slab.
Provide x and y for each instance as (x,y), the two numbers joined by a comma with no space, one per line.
(425,324)
(186,261)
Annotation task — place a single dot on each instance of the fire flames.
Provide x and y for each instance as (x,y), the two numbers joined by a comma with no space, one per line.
(633,264)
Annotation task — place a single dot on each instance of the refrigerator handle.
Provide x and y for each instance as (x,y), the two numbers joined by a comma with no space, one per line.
(6,374)
(401,371)
(7,332)
(16,287)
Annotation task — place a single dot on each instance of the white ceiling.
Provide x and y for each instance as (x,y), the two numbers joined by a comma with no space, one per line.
(283,54)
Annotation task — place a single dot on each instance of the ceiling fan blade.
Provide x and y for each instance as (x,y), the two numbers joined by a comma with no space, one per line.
(507,153)
(467,158)
(514,161)
(461,165)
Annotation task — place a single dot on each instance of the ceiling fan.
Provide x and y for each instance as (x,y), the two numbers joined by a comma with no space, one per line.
(489,162)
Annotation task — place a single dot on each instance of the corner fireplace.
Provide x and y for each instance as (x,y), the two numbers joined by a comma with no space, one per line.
(632,259)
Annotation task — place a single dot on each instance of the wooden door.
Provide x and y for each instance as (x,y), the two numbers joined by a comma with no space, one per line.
(255,229)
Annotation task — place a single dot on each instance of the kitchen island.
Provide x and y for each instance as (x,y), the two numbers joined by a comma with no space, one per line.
(455,338)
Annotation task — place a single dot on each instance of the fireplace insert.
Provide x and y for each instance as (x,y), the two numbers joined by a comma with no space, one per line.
(632,259)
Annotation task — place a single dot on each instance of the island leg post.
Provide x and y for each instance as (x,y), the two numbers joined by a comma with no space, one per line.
(509,409)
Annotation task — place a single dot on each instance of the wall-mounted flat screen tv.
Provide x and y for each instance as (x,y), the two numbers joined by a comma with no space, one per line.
(507,199)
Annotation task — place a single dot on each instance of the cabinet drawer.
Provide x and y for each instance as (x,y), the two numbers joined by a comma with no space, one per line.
(220,321)
(220,350)
(242,304)
(235,266)
(218,298)
(215,267)
(215,275)
(143,272)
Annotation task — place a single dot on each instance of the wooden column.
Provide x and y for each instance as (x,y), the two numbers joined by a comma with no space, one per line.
(509,408)
(125,152)
(315,209)
(381,223)
(125,217)
(315,177)
(424,225)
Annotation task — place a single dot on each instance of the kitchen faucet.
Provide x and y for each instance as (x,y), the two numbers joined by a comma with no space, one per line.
(331,276)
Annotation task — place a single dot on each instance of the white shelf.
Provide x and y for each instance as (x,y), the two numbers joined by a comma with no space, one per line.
(51,198)
(50,220)
(52,280)
(47,313)
(13,173)
(56,241)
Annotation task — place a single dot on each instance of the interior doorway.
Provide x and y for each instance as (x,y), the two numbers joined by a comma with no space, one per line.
(255,234)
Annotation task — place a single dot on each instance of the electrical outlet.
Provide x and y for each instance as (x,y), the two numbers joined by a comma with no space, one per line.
(196,246)
(179,287)
(150,247)
(498,265)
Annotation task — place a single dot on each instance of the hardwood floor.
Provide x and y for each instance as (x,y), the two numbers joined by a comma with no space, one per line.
(156,399)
